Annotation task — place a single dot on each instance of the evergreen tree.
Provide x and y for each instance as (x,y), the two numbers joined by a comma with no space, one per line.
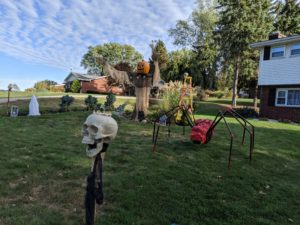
(241,23)
(287,19)
(163,54)
(75,86)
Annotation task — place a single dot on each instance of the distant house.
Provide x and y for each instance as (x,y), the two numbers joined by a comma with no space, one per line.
(91,83)
(279,76)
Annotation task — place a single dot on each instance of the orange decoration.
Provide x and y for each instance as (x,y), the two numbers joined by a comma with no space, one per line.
(143,67)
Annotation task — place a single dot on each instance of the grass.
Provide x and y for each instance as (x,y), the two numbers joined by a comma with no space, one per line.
(43,168)
(16,94)
(51,105)
(246,102)
(23,94)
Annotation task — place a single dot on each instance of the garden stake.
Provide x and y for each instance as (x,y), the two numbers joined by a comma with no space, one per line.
(98,131)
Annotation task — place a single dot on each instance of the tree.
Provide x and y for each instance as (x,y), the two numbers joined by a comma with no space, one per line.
(10,88)
(196,33)
(241,23)
(44,85)
(75,86)
(114,53)
(178,64)
(162,52)
(287,19)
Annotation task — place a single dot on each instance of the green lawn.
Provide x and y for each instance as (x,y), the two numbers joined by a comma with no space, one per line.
(16,94)
(51,105)
(227,101)
(23,94)
(43,168)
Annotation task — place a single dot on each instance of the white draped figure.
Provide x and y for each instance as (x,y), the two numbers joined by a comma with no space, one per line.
(34,107)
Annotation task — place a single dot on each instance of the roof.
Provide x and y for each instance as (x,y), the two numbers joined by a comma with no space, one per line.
(81,77)
(284,40)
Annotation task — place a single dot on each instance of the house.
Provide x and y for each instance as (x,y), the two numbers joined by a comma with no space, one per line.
(279,76)
(91,83)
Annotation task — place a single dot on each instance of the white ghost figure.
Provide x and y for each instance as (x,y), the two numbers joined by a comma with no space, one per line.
(34,107)
(96,130)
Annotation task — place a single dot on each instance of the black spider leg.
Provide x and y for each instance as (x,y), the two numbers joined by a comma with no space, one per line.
(247,127)
(221,115)
(216,121)
(156,125)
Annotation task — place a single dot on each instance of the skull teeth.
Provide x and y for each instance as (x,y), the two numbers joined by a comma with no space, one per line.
(93,146)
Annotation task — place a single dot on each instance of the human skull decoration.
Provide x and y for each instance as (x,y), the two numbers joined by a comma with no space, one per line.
(96,130)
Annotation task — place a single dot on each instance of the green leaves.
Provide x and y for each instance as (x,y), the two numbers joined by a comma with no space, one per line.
(91,102)
(114,53)
(66,101)
(75,86)
(287,19)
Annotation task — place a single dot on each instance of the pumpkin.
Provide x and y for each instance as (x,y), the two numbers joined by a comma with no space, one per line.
(143,67)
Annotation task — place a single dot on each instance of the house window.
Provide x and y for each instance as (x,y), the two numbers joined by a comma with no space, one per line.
(281,97)
(288,97)
(295,49)
(277,52)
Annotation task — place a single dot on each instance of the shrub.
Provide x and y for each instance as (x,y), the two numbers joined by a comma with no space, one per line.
(91,102)
(30,90)
(75,86)
(171,95)
(219,95)
(110,100)
(215,94)
(247,112)
(57,88)
(66,101)
(200,93)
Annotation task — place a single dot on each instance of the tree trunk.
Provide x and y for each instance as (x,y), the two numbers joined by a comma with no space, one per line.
(156,75)
(255,96)
(235,80)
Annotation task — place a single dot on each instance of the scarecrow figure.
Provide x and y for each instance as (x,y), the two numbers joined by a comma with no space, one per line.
(142,80)
(98,131)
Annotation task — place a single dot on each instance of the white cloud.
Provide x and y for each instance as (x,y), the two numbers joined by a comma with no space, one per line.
(58,32)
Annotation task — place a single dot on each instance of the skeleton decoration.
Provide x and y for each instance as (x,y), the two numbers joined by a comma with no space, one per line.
(98,131)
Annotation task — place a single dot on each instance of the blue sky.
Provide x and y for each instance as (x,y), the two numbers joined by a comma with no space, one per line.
(43,39)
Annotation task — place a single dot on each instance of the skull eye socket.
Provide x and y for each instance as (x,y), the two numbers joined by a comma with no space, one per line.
(93,129)
(85,130)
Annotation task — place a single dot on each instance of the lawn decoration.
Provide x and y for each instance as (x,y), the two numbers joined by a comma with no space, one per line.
(202,130)
(98,131)
(34,107)
(14,111)
(142,81)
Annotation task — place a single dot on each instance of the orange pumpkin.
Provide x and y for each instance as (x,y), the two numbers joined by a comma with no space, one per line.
(143,67)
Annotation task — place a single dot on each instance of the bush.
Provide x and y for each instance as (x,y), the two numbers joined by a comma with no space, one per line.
(215,94)
(91,102)
(30,90)
(110,100)
(171,95)
(66,101)
(247,112)
(219,95)
(75,86)
(200,93)
(57,88)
